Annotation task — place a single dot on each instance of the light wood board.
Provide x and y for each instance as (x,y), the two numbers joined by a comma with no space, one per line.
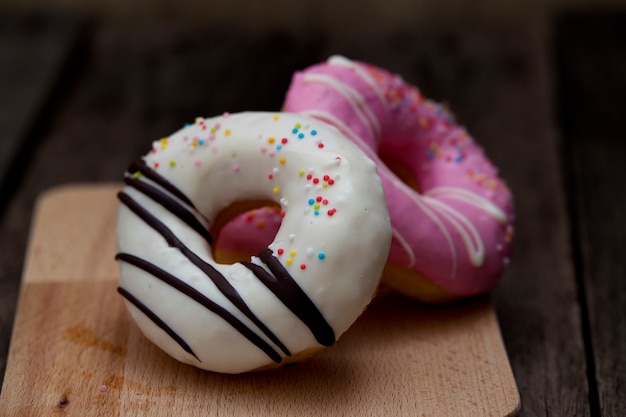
(75,351)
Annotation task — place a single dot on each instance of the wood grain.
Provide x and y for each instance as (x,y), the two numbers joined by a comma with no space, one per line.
(74,347)
(592,64)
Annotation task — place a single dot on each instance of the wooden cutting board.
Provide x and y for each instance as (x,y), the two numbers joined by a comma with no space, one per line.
(75,351)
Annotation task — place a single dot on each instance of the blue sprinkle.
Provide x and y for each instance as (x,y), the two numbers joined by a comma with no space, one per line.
(313,132)
(279,147)
(311,201)
(316,212)
(300,135)
(201,142)
(321,255)
(187,125)
(294,130)
(458,159)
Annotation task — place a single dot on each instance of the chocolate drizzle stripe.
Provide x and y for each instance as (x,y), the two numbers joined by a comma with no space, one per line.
(282,284)
(157,320)
(172,205)
(200,298)
(140,165)
(218,279)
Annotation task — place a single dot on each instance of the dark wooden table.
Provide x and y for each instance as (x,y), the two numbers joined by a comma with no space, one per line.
(78,101)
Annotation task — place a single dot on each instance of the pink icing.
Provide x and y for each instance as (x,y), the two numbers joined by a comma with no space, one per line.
(457,231)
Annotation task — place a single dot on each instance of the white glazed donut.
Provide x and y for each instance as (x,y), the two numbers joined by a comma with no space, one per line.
(297,296)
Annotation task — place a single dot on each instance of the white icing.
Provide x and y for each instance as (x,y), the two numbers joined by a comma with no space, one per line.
(470,198)
(353,242)
(339,60)
(356,100)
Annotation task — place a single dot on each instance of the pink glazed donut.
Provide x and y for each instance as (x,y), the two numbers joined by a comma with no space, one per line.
(451,214)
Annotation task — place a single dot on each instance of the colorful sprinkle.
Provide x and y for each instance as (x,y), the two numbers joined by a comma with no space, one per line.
(275,190)
(289,261)
(172,163)
(303,266)
(313,132)
(271,140)
(227,132)
(301,173)
(282,160)
(280,251)
(293,253)
(321,255)
(276,117)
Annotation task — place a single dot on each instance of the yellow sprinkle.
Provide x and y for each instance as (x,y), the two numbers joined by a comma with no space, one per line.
(289,261)
(198,119)
(298,125)
(227,132)
(293,253)
(213,130)
(163,143)
(172,163)
(325,185)
(194,143)
(282,160)
(276,117)
(301,173)
(271,140)
(316,206)
(137,174)
(276,190)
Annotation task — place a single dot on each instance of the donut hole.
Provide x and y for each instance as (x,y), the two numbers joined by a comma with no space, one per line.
(232,227)
(401,170)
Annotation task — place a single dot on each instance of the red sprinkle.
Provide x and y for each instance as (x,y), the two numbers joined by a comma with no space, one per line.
(284,140)
(309,176)
(321,145)
(326,177)
(331,181)
(270,177)
(332,211)
(302,266)
(318,198)
(282,214)
(280,251)
(316,180)
(324,202)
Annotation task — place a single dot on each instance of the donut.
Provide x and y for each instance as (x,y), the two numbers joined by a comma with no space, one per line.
(451,214)
(297,295)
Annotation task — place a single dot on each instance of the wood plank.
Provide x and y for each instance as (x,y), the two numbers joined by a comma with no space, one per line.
(33,52)
(592,64)
(75,348)
(34,56)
